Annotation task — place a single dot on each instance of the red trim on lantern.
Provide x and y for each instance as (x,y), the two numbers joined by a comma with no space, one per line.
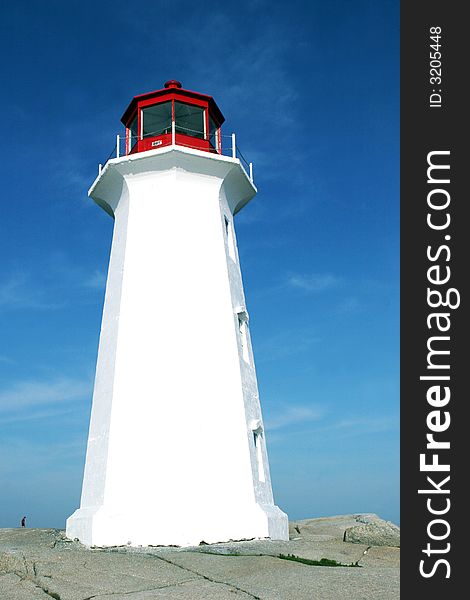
(175,93)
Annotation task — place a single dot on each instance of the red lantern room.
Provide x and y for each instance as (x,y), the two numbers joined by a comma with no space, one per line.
(172,115)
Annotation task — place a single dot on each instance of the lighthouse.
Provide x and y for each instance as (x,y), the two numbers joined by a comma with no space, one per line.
(176,449)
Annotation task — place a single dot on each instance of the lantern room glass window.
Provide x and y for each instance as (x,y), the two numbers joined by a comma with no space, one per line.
(189,119)
(156,120)
(213,132)
(133,133)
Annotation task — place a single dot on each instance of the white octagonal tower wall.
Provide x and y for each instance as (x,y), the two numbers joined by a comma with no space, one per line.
(176,451)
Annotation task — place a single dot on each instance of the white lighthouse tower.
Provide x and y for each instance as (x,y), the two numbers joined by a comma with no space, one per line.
(176,449)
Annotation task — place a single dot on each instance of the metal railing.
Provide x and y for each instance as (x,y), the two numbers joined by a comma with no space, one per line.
(226,145)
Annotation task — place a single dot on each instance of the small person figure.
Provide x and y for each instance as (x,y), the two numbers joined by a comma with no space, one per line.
(23,522)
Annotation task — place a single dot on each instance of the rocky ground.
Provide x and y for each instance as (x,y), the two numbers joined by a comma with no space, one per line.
(40,564)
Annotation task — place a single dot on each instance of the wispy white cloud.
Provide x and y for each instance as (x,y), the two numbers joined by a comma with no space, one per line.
(304,283)
(96,281)
(19,292)
(316,425)
(294,415)
(359,426)
(349,305)
(37,414)
(20,456)
(26,395)
(50,284)
(285,343)
(313,282)
(6,360)
(372,424)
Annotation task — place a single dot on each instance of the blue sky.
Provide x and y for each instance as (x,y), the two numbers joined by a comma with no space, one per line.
(312,91)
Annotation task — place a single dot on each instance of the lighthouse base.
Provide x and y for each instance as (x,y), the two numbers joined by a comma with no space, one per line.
(104,526)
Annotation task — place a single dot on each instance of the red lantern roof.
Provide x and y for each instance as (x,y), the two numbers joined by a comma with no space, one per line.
(172,115)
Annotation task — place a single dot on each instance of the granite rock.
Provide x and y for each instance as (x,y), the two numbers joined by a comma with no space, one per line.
(40,564)
(373,532)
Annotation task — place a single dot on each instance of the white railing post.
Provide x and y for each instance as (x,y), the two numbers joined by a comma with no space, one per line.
(117,145)
(234,147)
(100,167)
(173,133)
(251,172)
